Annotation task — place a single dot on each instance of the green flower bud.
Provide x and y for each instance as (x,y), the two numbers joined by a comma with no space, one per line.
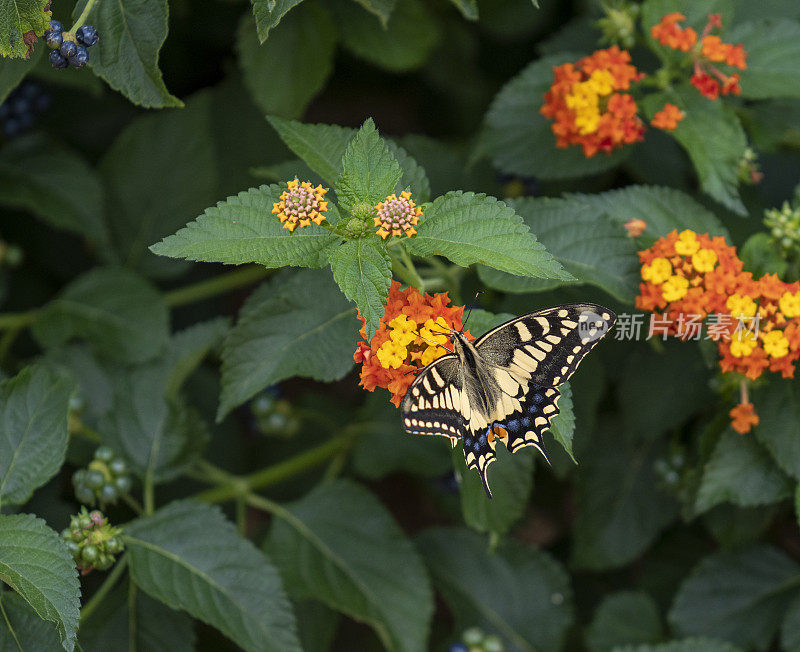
(123,484)
(89,554)
(104,454)
(493,644)
(118,467)
(109,494)
(95,478)
(84,494)
(473,636)
(363,212)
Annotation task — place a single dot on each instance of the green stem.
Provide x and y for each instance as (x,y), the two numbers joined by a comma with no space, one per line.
(418,282)
(8,623)
(132,624)
(105,588)
(17,320)
(241,515)
(235,486)
(148,493)
(217,285)
(88,434)
(84,15)
(267,505)
(133,504)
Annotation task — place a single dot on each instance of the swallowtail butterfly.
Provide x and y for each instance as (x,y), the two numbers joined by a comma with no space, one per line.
(508,377)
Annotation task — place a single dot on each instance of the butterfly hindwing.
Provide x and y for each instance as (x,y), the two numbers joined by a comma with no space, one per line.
(433,403)
(546,347)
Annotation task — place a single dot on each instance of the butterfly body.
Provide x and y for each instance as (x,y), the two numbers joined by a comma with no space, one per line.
(507,378)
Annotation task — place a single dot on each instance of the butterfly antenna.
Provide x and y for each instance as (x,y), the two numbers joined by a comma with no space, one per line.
(469,312)
(431,341)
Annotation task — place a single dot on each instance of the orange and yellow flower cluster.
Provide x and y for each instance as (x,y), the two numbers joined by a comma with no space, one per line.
(689,274)
(397,215)
(300,205)
(708,50)
(413,332)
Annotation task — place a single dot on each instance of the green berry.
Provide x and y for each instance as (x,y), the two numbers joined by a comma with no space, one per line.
(109,493)
(118,467)
(76,403)
(473,636)
(73,548)
(493,644)
(79,477)
(104,454)
(114,545)
(95,479)
(84,495)
(89,554)
(123,484)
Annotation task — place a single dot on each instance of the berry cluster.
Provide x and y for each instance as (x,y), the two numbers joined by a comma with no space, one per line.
(274,416)
(104,480)
(92,541)
(476,640)
(784,228)
(19,111)
(69,49)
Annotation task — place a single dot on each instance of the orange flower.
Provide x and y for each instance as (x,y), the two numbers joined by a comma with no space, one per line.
(397,215)
(667,118)
(743,418)
(668,33)
(586,106)
(300,205)
(635,227)
(413,332)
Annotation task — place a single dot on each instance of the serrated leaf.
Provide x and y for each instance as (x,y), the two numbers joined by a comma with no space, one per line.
(738,596)
(154,626)
(469,228)
(287,71)
(530,609)
(12,72)
(32,632)
(126,56)
(685,645)
(618,520)
(741,471)
(511,479)
(17,19)
(414,177)
(35,562)
(772,45)
(313,545)
(189,347)
(563,424)
(33,430)
(295,325)
(268,13)
(54,183)
(370,172)
(158,174)
(402,44)
(243,229)
(190,557)
(114,309)
(625,617)
(519,139)
(779,414)
(714,139)
(363,270)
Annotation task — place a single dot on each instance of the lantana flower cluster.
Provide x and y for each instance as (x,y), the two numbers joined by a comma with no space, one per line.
(706,51)
(413,332)
(689,277)
(300,205)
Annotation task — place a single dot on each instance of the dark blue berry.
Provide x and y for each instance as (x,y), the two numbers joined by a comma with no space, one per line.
(458,647)
(57,60)
(512,425)
(20,105)
(42,103)
(5,110)
(68,49)
(25,121)
(80,58)
(12,127)
(538,398)
(54,40)
(55,27)
(525,421)
(86,35)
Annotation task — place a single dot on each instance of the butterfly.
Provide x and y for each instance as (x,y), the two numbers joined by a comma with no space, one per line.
(508,377)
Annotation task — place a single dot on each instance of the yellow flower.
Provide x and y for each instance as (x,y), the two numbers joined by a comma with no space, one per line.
(742,344)
(436,331)
(790,304)
(430,354)
(657,271)
(704,260)
(402,330)
(741,306)
(687,243)
(674,288)
(391,355)
(775,343)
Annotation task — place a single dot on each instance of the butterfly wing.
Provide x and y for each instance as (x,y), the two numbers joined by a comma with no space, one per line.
(545,347)
(433,404)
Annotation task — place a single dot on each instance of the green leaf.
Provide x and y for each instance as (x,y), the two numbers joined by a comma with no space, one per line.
(268,13)
(591,246)
(189,557)
(363,270)
(320,146)
(113,308)
(17,19)
(624,617)
(33,430)
(33,632)
(401,45)
(381,8)
(714,139)
(314,545)
(287,71)
(295,325)
(530,609)
(159,173)
(243,229)
(685,645)
(469,228)
(316,623)
(739,596)
(790,628)
(126,56)
(779,413)
(414,177)
(12,72)
(54,183)
(742,472)
(618,519)
(511,480)
(482,321)
(370,172)
(772,45)
(35,563)
(520,140)
(154,626)
(760,255)
(189,347)
(468,8)
(733,526)
(563,425)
